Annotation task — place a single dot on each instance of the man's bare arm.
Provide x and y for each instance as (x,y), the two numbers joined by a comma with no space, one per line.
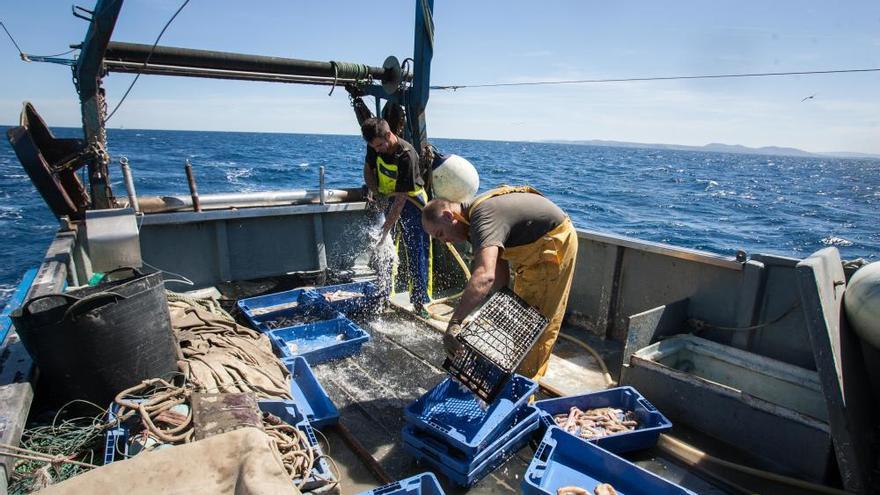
(483,279)
(370,179)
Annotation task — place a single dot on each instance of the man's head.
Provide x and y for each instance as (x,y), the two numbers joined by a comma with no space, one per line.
(395,115)
(443,220)
(378,135)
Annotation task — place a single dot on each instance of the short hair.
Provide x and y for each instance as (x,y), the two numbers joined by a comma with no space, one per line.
(374,127)
(394,114)
(433,211)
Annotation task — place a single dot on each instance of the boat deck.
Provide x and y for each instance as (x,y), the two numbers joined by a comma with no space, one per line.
(402,362)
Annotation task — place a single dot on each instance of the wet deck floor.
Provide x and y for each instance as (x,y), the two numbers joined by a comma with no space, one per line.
(402,362)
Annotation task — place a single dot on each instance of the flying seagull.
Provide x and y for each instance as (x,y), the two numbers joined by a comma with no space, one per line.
(808,98)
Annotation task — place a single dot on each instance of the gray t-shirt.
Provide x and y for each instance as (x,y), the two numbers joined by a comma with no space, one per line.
(512,219)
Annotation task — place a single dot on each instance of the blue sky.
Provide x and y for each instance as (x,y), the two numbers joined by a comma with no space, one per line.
(497,41)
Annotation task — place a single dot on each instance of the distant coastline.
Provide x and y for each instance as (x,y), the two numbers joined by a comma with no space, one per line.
(711,147)
(716,147)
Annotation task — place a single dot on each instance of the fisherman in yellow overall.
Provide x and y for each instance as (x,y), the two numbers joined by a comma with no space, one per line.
(518,228)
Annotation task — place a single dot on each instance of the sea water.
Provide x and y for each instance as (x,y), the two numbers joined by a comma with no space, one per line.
(717,202)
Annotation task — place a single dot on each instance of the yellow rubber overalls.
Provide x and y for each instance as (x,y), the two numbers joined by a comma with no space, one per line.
(543,271)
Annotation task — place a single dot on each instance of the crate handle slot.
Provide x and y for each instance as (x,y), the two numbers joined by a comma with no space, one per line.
(390,487)
(434,444)
(432,455)
(536,474)
(437,426)
(310,433)
(643,401)
(546,419)
(543,452)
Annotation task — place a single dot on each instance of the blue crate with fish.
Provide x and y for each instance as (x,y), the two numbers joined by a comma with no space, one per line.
(320,475)
(501,449)
(321,341)
(355,298)
(618,419)
(420,484)
(265,306)
(309,312)
(563,460)
(308,394)
(453,414)
(526,421)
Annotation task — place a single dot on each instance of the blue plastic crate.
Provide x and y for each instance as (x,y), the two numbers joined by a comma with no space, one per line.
(15,301)
(309,396)
(526,420)
(319,342)
(116,437)
(453,413)
(248,306)
(368,303)
(116,440)
(289,413)
(420,484)
(501,451)
(651,421)
(303,314)
(564,460)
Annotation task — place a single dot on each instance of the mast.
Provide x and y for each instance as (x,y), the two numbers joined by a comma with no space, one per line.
(416,98)
(87,75)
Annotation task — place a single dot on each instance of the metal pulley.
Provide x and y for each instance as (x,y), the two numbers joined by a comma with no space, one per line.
(392,77)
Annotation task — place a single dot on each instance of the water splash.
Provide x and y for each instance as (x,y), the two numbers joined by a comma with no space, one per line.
(836,241)
(380,254)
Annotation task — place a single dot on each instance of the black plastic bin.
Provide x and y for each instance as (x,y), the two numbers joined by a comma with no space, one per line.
(94,342)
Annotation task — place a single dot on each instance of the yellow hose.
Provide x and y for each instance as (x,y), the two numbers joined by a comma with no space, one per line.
(467,275)
(461,263)
(605,374)
(441,316)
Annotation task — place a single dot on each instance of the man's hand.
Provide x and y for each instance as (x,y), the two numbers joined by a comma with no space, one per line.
(450,338)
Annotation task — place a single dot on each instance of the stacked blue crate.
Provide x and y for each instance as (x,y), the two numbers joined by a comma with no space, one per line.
(266,306)
(302,322)
(313,310)
(364,297)
(319,341)
(451,430)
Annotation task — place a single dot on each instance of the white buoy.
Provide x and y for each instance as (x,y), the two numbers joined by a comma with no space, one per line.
(862,303)
(455,179)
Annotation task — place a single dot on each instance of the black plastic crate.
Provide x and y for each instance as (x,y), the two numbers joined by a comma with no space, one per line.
(494,343)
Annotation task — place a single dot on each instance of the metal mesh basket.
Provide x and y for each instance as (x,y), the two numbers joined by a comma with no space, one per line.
(495,342)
